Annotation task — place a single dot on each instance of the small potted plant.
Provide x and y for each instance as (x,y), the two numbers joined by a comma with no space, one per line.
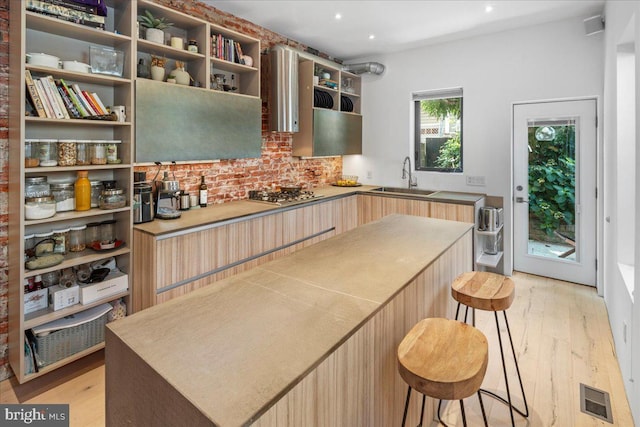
(154,26)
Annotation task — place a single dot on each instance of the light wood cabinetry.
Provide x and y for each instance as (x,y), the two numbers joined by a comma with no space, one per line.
(169,267)
(372,208)
(30,33)
(329,117)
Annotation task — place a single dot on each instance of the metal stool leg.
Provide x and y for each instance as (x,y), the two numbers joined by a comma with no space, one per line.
(484,414)
(464,418)
(504,370)
(424,399)
(440,419)
(406,406)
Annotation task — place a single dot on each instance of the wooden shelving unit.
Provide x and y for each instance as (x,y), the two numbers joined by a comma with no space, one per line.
(34,32)
(485,259)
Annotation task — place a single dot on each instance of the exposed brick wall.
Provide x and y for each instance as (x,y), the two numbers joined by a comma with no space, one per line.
(228,179)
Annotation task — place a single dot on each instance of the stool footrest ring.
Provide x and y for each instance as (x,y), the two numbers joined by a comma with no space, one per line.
(524,413)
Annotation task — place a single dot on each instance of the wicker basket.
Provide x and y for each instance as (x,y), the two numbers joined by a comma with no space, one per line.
(68,341)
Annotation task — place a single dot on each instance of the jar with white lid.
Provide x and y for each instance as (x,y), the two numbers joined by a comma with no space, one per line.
(77,238)
(48,152)
(39,207)
(99,152)
(83,152)
(65,196)
(61,239)
(112,151)
(67,152)
(96,191)
(31,153)
(36,186)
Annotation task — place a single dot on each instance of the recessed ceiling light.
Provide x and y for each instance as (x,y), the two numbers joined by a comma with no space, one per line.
(372,36)
(338,16)
(488,8)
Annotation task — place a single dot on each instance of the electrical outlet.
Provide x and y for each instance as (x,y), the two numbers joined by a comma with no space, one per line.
(369,175)
(476,181)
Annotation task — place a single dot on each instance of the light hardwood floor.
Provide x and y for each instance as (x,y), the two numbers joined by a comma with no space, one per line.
(562,338)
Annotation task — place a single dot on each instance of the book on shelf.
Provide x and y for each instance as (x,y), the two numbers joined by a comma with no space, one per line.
(51,98)
(58,97)
(33,95)
(89,97)
(99,102)
(83,100)
(225,48)
(81,6)
(73,111)
(74,99)
(45,102)
(64,12)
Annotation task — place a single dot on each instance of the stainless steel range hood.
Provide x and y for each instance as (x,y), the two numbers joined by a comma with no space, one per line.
(283,102)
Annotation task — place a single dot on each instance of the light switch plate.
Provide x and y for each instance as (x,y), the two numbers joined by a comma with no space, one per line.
(476,181)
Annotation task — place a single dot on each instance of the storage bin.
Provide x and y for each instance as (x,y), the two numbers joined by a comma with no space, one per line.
(59,344)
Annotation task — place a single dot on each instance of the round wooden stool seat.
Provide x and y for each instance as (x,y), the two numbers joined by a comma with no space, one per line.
(483,290)
(443,359)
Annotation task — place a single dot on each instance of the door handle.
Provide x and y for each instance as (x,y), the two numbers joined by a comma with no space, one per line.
(521,200)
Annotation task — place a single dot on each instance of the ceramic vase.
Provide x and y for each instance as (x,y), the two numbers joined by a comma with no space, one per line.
(155,35)
(182,77)
(157,73)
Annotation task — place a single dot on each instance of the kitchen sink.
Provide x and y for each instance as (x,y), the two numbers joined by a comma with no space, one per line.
(404,190)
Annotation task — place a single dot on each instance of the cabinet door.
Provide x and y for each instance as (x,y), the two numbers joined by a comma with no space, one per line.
(453,212)
(336,133)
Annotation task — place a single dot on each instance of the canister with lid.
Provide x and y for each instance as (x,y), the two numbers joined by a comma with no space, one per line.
(61,239)
(31,153)
(92,234)
(83,152)
(107,232)
(39,207)
(48,152)
(64,195)
(98,152)
(67,152)
(36,186)
(112,151)
(77,238)
(96,190)
(112,199)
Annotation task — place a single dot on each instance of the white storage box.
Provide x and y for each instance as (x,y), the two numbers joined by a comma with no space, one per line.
(36,300)
(61,297)
(116,282)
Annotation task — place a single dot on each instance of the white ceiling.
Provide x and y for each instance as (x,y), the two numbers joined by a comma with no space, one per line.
(397,25)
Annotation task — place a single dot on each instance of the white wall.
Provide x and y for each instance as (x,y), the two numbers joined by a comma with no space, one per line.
(622,310)
(550,61)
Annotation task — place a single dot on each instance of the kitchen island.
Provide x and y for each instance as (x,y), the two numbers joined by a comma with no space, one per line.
(306,339)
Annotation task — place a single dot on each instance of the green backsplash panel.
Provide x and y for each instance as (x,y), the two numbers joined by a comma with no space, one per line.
(178,123)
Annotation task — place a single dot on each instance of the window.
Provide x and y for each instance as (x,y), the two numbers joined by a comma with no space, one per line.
(438,130)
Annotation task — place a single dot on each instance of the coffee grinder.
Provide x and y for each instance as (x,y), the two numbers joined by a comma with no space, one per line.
(143,205)
(168,203)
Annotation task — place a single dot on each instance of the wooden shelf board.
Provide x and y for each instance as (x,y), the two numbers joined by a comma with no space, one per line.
(59,363)
(40,170)
(78,258)
(64,216)
(39,22)
(145,46)
(74,122)
(489,260)
(225,65)
(103,79)
(47,315)
(488,233)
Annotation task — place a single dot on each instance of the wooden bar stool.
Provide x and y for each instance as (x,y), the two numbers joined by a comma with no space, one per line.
(443,359)
(490,292)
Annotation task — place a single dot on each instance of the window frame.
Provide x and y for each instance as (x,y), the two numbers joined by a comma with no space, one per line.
(417,97)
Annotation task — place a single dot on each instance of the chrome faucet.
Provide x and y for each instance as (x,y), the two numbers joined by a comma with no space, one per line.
(413,182)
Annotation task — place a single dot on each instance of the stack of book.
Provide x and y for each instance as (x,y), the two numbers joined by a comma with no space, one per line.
(55,99)
(224,48)
(91,13)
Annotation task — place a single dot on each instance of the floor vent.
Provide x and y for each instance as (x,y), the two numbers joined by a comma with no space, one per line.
(596,403)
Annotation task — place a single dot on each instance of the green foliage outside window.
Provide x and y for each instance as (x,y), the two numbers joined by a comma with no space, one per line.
(449,153)
(552,179)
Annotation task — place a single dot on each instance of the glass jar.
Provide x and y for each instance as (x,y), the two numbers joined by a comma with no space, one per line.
(67,152)
(77,238)
(61,239)
(109,184)
(92,234)
(29,245)
(44,243)
(193,46)
(112,151)
(83,152)
(67,278)
(96,191)
(36,186)
(65,196)
(112,199)
(51,278)
(107,232)
(83,272)
(31,153)
(48,152)
(39,207)
(98,153)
